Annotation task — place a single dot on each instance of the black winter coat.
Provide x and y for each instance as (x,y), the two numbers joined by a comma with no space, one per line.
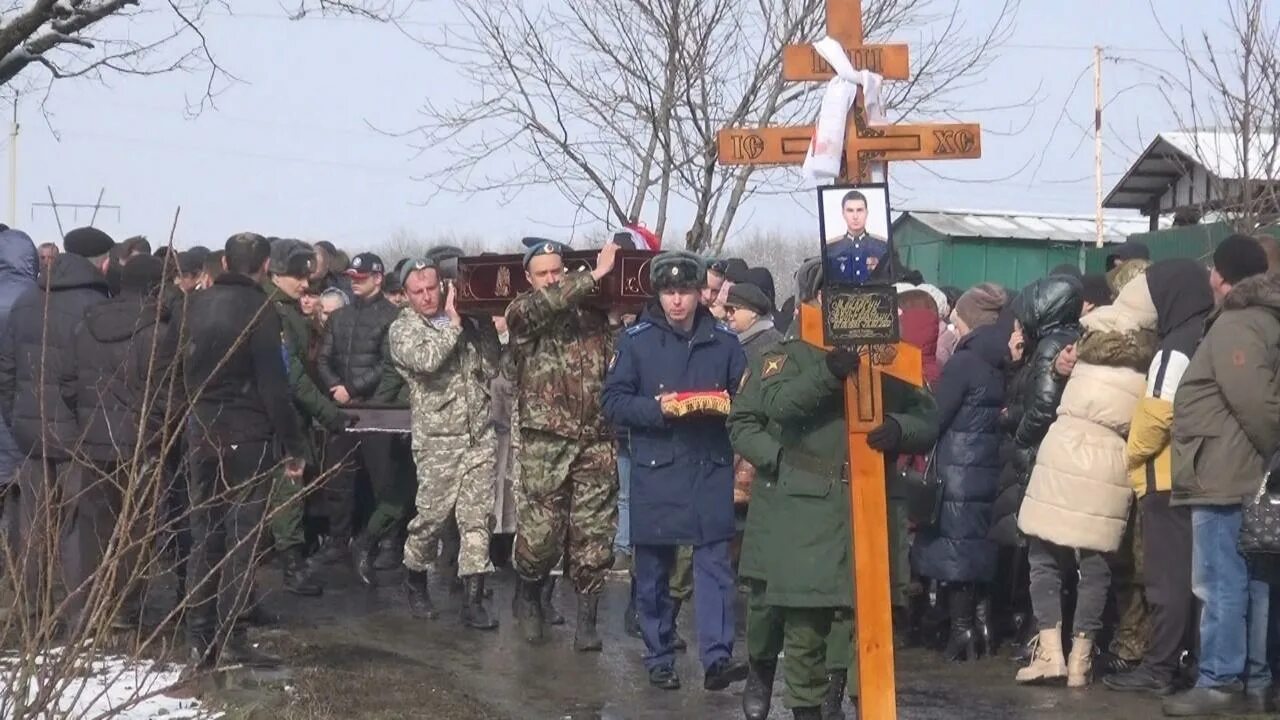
(352,346)
(18,267)
(34,352)
(970,396)
(117,374)
(1049,311)
(233,362)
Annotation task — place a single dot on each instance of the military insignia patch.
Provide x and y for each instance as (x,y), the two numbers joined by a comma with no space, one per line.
(772,366)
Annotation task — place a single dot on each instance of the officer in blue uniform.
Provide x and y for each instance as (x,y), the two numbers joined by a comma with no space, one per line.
(681,467)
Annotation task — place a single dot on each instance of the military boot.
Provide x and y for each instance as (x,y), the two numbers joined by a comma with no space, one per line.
(677,642)
(297,575)
(757,696)
(833,703)
(529,610)
(390,554)
(415,587)
(806,713)
(238,651)
(550,615)
(362,550)
(474,614)
(585,637)
(334,551)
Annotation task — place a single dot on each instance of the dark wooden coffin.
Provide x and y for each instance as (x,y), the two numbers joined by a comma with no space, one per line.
(486,283)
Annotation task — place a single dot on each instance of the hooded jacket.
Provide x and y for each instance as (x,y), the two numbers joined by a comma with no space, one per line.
(116,375)
(19,264)
(1183,300)
(1226,415)
(1049,311)
(1079,492)
(34,351)
(970,395)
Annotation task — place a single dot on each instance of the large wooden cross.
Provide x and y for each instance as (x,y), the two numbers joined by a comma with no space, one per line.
(865,146)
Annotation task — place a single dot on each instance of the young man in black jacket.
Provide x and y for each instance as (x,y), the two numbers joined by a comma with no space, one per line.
(241,424)
(117,377)
(33,352)
(351,363)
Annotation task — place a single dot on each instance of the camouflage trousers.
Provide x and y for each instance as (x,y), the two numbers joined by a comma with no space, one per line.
(1133,627)
(455,479)
(566,505)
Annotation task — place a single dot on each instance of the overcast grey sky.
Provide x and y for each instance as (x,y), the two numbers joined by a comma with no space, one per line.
(289,152)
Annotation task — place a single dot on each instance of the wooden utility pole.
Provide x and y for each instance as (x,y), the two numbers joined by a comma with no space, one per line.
(866,145)
(13,165)
(1097,139)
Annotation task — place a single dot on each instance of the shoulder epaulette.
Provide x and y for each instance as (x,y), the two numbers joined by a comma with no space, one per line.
(725,329)
(638,328)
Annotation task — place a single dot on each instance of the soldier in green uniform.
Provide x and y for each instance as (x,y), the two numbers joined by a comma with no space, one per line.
(291,263)
(566,503)
(788,421)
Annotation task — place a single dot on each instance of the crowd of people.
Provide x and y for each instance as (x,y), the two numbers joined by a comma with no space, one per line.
(1091,443)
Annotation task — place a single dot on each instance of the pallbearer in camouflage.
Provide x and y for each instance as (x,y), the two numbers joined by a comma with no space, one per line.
(447,362)
(566,502)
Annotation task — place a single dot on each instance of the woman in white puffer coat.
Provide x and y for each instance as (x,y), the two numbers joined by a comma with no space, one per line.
(1077,503)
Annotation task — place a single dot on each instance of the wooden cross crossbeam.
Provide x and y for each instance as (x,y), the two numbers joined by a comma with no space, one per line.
(844,23)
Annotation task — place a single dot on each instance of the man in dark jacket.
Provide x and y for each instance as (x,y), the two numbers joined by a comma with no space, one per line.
(351,365)
(291,262)
(116,377)
(18,270)
(33,353)
(1226,428)
(682,477)
(241,422)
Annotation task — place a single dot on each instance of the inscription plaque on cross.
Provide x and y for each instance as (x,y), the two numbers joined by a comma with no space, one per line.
(865,146)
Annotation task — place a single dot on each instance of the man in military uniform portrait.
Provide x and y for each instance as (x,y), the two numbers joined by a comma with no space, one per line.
(566,503)
(447,362)
(855,254)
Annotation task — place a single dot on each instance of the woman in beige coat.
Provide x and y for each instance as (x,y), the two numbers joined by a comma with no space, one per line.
(1077,502)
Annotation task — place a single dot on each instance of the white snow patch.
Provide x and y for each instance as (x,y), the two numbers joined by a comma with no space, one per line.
(114,684)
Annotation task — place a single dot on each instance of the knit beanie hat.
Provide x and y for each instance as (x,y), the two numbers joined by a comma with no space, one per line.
(1239,257)
(142,274)
(939,297)
(981,305)
(1097,291)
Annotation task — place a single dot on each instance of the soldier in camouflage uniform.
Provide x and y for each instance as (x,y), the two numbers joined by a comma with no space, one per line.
(567,499)
(447,361)
(291,262)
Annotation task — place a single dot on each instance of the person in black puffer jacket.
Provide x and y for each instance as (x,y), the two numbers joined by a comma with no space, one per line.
(117,374)
(351,365)
(19,265)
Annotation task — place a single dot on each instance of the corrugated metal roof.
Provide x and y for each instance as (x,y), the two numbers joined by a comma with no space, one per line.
(1171,156)
(1026,226)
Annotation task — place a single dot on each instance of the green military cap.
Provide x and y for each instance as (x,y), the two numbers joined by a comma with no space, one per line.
(746,295)
(677,269)
(292,258)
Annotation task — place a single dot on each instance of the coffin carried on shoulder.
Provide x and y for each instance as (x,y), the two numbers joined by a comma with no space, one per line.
(486,283)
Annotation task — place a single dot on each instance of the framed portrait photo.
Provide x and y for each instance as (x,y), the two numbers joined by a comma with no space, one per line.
(859,303)
(854,228)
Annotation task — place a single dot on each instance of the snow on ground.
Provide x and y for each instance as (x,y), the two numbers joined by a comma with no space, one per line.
(113,684)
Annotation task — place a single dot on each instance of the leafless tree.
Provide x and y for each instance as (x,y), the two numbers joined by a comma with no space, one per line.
(1226,94)
(96,38)
(406,243)
(616,103)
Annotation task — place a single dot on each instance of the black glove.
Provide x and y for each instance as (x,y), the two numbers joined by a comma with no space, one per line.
(887,437)
(843,362)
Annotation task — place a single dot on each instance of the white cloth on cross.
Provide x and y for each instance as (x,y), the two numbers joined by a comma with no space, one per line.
(822,162)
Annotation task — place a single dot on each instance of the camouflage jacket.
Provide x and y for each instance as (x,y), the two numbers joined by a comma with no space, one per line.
(562,352)
(448,371)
